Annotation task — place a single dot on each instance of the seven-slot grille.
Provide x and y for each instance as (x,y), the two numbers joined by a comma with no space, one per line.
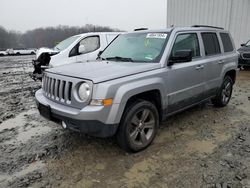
(246,55)
(57,89)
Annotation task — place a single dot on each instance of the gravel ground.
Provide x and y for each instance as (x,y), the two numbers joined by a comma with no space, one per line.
(202,147)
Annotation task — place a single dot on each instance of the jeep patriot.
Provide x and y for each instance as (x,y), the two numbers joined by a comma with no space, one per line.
(139,80)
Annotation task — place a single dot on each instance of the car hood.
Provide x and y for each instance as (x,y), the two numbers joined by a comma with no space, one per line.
(244,49)
(45,50)
(102,70)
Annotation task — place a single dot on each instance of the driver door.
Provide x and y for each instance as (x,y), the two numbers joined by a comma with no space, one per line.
(186,79)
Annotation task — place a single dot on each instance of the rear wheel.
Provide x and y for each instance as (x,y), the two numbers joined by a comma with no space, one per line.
(224,95)
(138,126)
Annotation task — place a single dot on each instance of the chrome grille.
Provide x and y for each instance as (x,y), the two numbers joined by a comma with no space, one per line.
(246,55)
(57,89)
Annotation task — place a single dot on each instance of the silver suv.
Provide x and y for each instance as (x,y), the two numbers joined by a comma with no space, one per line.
(139,80)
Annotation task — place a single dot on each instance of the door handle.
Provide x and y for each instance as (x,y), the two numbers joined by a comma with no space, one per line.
(221,62)
(199,67)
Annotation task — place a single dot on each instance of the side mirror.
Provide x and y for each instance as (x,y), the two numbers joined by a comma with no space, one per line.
(81,49)
(243,45)
(180,57)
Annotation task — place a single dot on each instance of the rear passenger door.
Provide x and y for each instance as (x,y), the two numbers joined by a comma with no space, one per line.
(214,61)
(185,80)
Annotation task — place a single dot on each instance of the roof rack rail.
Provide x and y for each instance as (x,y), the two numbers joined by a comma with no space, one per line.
(208,26)
(140,29)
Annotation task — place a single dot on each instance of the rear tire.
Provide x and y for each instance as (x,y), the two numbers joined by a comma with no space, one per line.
(224,95)
(138,126)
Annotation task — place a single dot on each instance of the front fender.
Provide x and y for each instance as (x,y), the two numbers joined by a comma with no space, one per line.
(126,91)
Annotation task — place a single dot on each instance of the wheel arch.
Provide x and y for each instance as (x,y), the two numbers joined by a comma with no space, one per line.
(231,74)
(149,90)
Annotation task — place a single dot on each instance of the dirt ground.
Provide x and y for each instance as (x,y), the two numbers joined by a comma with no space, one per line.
(202,147)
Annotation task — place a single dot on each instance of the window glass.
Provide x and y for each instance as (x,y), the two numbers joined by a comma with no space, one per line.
(65,43)
(138,47)
(91,44)
(211,43)
(111,37)
(187,42)
(227,43)
(248,43)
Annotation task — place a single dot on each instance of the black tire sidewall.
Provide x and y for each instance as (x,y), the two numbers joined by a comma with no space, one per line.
(123,132)
(226,80)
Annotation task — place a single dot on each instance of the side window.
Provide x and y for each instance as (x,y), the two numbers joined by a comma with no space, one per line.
(211,44)
(90,44)
(187,41)
(227,43)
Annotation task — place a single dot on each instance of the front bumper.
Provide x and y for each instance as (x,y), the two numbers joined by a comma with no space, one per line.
(87,120)
(244,62)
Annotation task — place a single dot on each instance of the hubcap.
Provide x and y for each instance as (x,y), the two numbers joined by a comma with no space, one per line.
(142,127)
(226,92)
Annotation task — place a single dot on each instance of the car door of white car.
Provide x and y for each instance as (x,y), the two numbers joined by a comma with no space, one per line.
(89,48)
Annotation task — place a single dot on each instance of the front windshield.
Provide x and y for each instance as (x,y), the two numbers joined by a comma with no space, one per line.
(248,43)
(65,43)
(136,47)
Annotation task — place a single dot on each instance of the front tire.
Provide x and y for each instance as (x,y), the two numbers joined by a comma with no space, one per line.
(224,95)
(138,126)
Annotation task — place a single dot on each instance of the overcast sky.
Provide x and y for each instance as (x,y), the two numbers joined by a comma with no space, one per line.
(23,15)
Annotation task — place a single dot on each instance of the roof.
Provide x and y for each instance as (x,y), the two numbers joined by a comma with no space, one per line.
(95,33)
(200,28)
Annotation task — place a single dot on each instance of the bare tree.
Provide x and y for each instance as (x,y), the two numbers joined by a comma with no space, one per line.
(44,37)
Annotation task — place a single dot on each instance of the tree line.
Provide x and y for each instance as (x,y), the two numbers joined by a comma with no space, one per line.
(44,37)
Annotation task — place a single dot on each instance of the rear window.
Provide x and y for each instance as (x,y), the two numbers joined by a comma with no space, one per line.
(211,43)
(227,43)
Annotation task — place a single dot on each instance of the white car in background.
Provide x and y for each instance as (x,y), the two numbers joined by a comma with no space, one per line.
(24,51)
(79,48)
(21,51)
(3,53)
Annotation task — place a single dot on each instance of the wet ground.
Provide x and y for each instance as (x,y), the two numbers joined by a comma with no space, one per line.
(202,147)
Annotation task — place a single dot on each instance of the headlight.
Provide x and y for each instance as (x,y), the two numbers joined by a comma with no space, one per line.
(84,92)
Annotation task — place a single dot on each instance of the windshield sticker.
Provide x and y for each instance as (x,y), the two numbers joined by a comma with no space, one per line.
(149,57)
(157,35)
(146,42)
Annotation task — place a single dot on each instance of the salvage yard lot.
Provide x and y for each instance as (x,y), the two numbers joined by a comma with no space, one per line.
(201,147)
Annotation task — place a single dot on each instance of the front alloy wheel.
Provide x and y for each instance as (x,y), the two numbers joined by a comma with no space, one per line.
(138,126)
(142,127)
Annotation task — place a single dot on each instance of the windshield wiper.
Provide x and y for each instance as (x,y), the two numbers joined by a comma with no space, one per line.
(118,58)
(57,48)
(100,58)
